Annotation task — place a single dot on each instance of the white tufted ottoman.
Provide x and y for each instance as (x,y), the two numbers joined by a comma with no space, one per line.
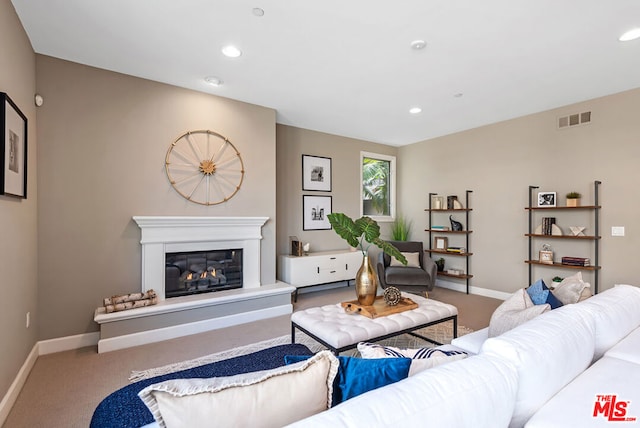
(339,330)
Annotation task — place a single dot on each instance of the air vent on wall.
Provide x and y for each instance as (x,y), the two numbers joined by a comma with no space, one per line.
(574,119)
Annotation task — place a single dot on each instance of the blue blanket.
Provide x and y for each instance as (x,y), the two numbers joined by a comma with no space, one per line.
(124,409)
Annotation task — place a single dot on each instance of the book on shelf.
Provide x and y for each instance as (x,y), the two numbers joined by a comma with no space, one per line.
(440,228)
(547,225)
(576,261)
(456,249)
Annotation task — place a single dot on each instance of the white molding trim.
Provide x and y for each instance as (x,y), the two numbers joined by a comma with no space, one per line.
(450,285)
(16,386)
(68,343)
(166,333)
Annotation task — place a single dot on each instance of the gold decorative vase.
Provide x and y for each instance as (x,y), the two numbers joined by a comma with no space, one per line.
(366,283)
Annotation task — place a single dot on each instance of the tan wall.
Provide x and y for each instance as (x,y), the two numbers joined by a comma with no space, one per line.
(500,161)
(104,140)
(344,152)
(18,226)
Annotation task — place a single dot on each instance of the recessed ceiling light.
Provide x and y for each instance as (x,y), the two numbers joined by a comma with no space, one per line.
(415,110)
(458,95)
(231,51)
(630,35)
(418,44)
(258,11)
(213,80)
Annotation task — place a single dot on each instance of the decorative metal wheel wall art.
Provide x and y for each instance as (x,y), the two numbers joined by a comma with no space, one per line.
(204,167)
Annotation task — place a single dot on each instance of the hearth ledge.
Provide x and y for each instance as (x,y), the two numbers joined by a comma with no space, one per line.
(195,301)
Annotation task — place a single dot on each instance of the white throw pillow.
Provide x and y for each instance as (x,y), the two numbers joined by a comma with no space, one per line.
(413,260)
(514,311)
(421,358)
(570,289)
(269,398)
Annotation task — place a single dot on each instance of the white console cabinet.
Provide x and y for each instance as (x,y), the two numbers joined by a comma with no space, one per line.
(319,268)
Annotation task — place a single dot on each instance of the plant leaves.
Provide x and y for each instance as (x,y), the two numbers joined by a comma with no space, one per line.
(369,228)
(390,249)
(346,228)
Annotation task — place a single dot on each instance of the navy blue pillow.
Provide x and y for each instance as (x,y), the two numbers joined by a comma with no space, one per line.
(359,375)
(540,294)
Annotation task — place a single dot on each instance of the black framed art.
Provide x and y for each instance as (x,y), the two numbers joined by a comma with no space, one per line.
(316,173)
(315,210)
(13,150)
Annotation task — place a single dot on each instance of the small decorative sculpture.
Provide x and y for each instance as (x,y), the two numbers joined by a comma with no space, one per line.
(577,230)
(456,226)
(392,296)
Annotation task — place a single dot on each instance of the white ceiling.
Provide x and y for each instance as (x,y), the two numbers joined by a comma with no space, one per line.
(346,66)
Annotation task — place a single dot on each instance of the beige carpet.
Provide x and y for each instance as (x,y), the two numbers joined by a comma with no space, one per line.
(442,333)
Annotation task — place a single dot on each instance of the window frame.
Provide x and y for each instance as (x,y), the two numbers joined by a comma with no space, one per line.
(392,185)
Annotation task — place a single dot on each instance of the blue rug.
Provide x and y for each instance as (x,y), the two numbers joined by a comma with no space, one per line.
(124,409)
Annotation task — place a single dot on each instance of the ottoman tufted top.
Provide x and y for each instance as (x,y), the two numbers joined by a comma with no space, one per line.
(339,328)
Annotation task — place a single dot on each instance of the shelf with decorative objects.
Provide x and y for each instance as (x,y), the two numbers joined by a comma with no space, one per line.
(545,257)
(439,235)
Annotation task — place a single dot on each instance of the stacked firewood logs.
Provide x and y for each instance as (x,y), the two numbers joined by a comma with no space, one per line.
(130,301)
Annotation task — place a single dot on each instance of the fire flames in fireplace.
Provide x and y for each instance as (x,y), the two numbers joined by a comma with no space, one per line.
(201,272)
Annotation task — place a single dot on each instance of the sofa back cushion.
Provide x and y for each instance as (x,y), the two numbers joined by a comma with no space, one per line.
(616,313)
(475,392)
(547,352)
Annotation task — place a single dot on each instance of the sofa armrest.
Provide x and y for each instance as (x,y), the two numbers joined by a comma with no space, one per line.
(472,342)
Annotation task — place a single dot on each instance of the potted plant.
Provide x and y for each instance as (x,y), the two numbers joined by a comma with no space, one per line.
(440,264)
(573,199)
(556,281)
(357,234)
(400,229)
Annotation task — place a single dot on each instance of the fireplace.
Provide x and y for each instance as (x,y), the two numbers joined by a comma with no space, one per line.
(197,272)
(209,242)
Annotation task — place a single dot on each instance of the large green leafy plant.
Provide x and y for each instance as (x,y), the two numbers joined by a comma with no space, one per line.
(361,231)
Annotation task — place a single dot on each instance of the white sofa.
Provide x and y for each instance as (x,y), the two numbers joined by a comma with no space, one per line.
(562,368)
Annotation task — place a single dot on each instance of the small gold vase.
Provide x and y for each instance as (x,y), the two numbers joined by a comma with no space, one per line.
(366,283)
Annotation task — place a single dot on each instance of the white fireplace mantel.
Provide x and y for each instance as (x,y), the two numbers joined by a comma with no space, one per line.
(167,234)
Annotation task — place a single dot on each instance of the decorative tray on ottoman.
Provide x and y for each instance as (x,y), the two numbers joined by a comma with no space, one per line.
(379,307)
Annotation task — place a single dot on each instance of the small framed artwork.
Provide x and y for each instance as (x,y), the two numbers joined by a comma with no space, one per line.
(13,150)
(546,257)
(546,199)
(437,202)
(316,173)
(315,210)
(440,243)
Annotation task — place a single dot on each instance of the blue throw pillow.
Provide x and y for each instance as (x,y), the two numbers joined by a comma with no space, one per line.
(540,294)
(358,375)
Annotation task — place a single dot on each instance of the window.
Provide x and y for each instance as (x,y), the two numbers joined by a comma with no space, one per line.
(378,173)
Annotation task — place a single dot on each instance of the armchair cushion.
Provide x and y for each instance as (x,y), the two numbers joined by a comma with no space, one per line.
(402,275)
(413,260)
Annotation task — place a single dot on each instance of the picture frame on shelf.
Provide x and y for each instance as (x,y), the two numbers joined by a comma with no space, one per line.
(437,202)
(316,173)
(315,211)
(440,243)
(13,150)
(547,199)
(546,257)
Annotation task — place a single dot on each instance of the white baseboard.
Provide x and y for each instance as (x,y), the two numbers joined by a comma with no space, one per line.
(16,386)
(166,333)
(68,343)
(450,285)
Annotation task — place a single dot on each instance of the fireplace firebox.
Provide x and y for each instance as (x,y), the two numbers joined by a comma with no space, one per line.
(195,272)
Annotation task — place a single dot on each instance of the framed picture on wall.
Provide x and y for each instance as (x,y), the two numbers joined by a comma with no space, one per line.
(315,210)
(13,150)
(316,173)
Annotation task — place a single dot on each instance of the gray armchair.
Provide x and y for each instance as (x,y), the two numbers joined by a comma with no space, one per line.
(411,279)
